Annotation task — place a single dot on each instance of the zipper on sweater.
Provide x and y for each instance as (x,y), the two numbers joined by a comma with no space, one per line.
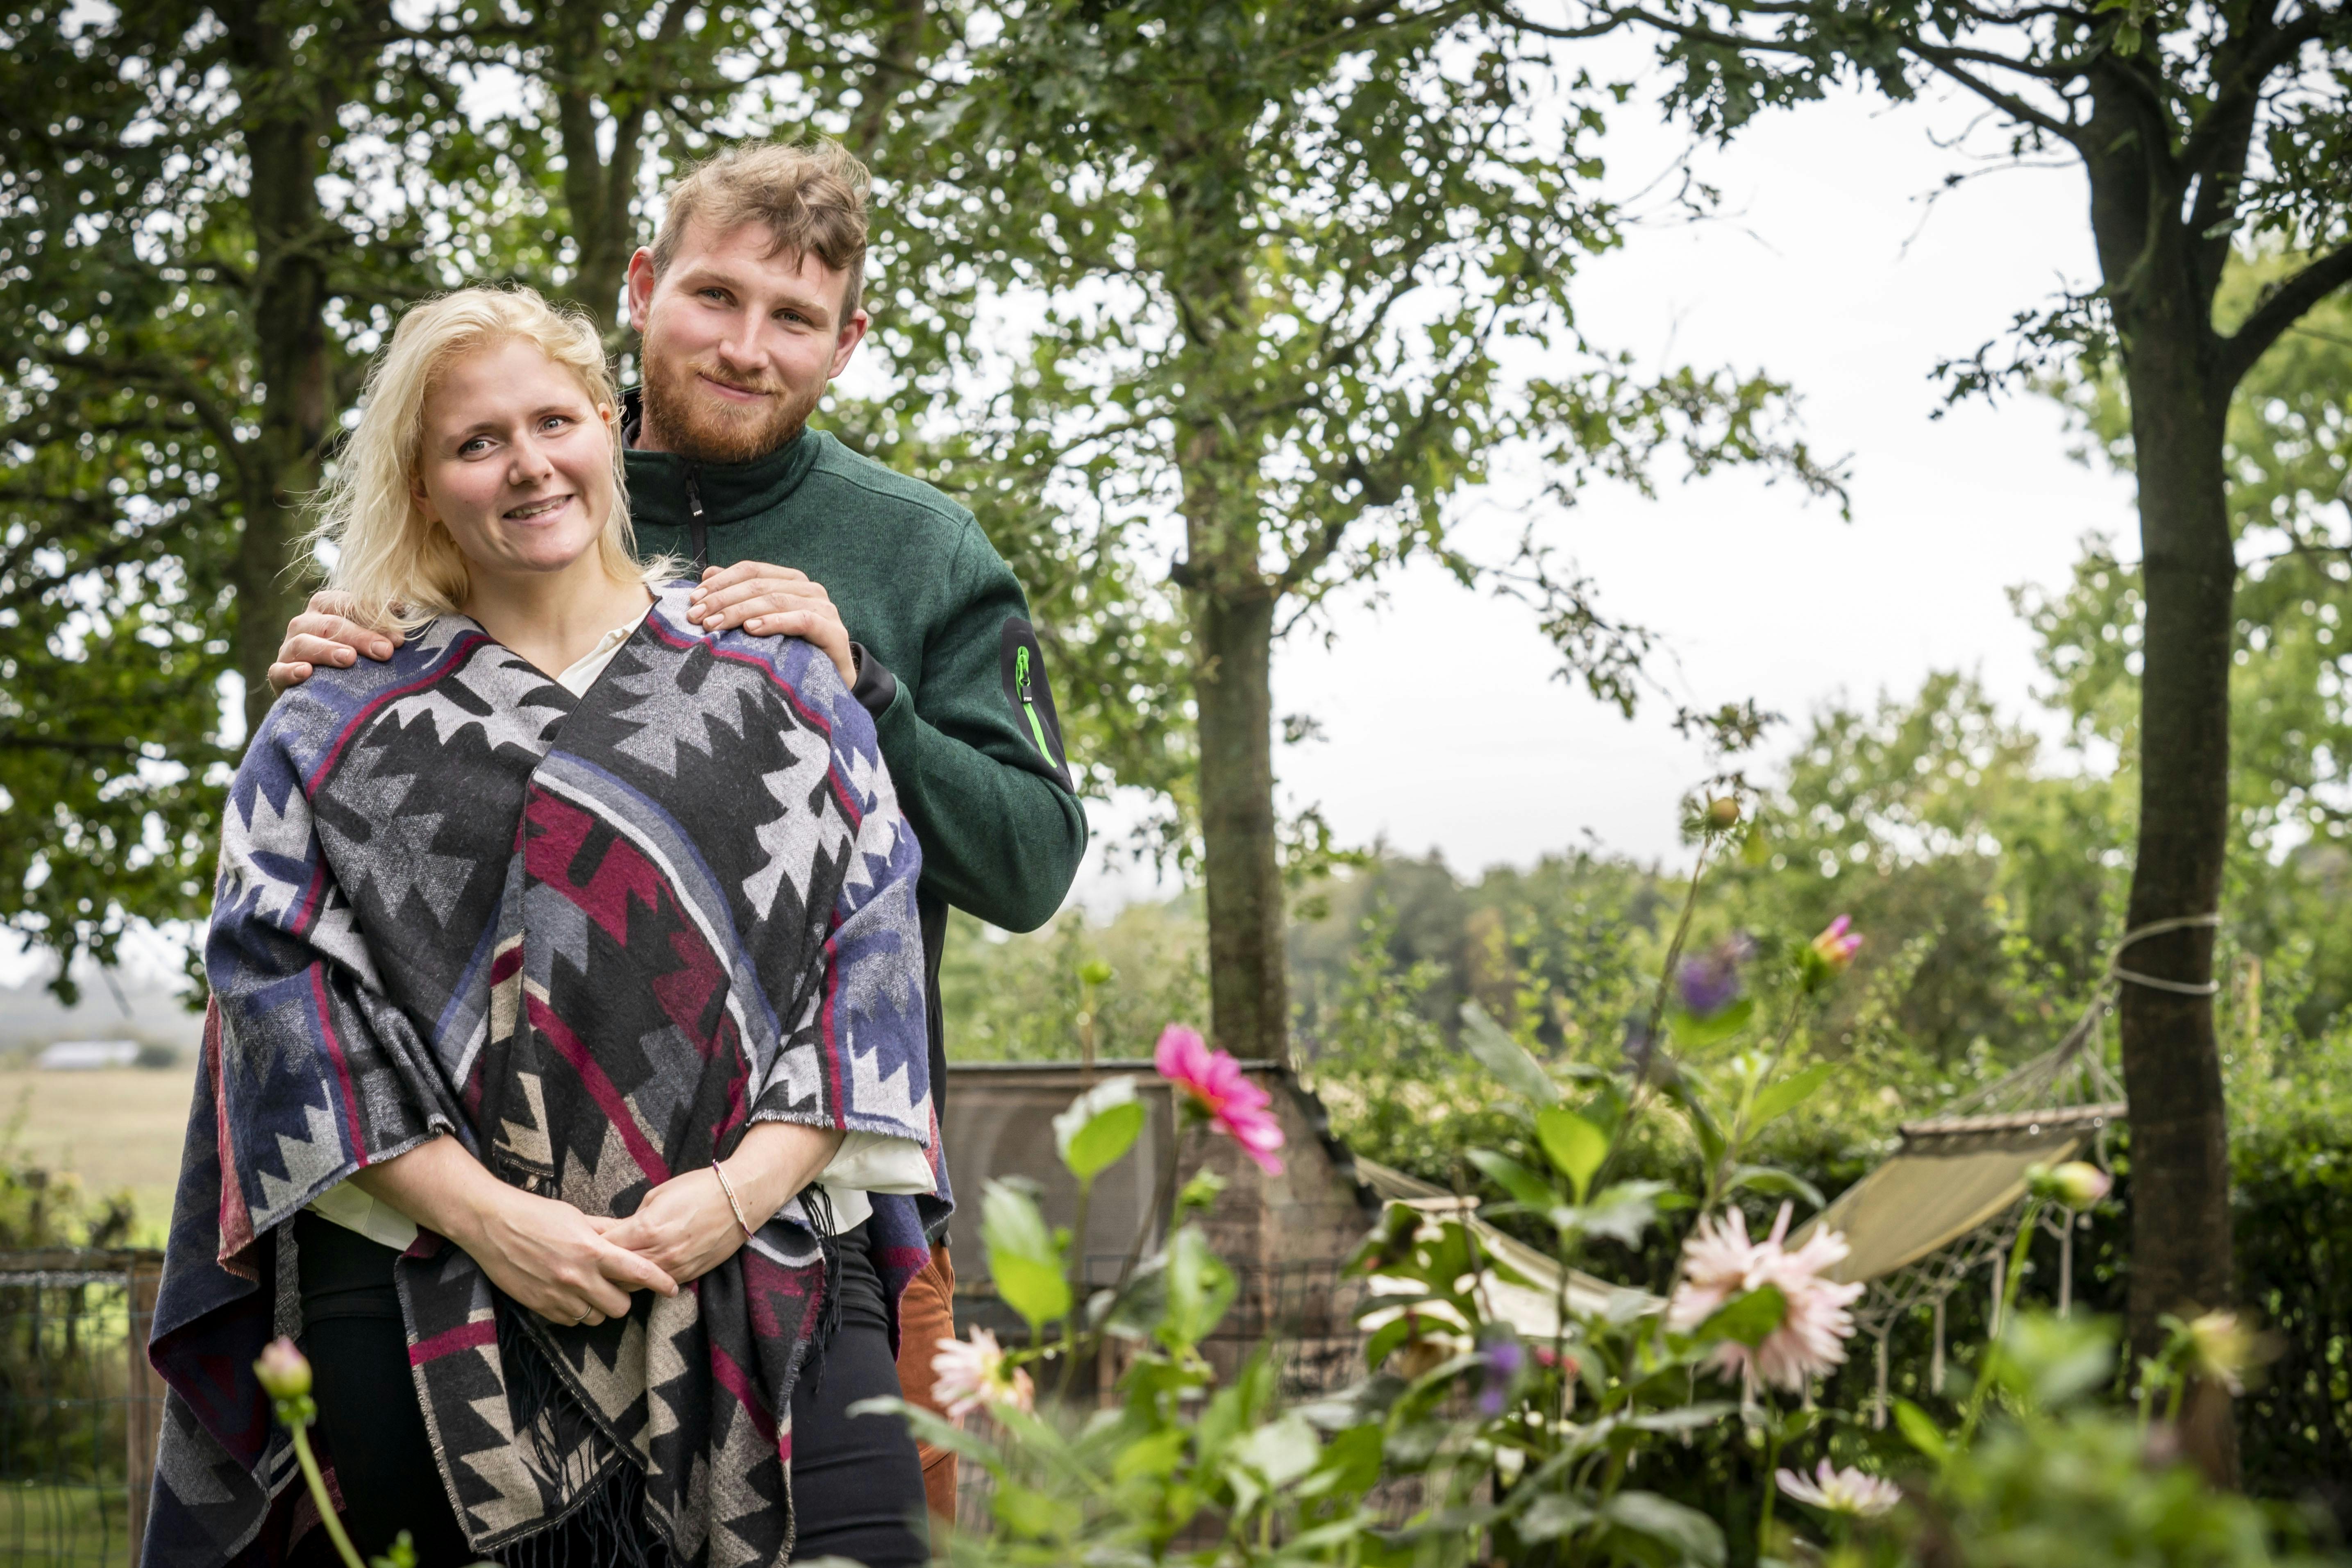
(697,532)
(1028,700)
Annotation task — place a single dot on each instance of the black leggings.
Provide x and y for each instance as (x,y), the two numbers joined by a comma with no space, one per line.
(857,1485)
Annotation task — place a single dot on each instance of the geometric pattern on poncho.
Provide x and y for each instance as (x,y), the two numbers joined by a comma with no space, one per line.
(595,939)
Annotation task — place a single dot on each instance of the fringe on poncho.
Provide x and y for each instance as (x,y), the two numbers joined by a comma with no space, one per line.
(595,939)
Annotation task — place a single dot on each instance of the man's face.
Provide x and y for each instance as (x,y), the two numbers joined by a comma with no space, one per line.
(740,342)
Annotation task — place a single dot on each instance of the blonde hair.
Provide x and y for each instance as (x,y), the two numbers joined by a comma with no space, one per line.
(401,568)
(811,200)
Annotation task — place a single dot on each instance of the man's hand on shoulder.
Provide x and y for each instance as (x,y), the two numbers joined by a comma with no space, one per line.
(324,634)
(773,600)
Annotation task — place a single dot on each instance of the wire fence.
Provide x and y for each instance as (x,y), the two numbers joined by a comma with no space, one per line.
(80,1409)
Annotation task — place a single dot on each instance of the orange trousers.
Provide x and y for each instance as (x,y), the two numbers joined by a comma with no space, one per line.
(926,1318)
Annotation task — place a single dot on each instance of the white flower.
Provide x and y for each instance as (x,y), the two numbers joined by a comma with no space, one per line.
(969,1375)
(1848,1491)
(1720,1264)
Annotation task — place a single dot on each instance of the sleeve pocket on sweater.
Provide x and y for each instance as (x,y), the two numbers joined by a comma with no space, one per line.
(1022,663)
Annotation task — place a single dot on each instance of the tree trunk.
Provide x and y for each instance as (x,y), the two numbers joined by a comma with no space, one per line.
(280,464)
(1249,996)
(2180,1250)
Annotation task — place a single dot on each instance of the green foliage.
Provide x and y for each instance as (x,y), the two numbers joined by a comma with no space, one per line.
(1028,998)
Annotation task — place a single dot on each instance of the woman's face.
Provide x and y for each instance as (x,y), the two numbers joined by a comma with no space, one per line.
(516,463)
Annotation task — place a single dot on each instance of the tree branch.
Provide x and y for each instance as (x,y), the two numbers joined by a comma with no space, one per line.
(2280,310)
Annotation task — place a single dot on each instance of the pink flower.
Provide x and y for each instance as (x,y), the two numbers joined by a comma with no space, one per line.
(970,1374)
(1720,1265)
(1222,1092)
(1849,1491)
(1825,957)
(1838,943)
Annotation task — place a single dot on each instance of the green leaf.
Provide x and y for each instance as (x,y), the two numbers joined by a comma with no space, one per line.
(1622,1211)
(1385,1340)
(1098,1129)
(930,1426)
(1573,1144)
(1779,1183)
(1693,1033)
(1746,1319)
(1200,1289)
(1688,1533)
(1156,1455)
(1023,1259)
(1552,1516)
(1353,1459)
(1503,1056)
(1028,1512)
(1523,1184)
(1684,1092)
(1777,1099)
(1921,1428)
(1280,1451)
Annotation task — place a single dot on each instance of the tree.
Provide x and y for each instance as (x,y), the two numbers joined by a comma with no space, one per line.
(204,216)
(2192,123)
(1288,260)
(2288,453)
(213,214)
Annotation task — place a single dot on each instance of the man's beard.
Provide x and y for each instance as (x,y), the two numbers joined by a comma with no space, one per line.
(681,418)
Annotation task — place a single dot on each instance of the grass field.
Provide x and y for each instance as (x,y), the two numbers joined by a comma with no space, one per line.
(63,1524)
(114,1129)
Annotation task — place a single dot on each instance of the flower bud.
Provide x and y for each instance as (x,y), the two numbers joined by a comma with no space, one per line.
(2077,1183)
(284,1371)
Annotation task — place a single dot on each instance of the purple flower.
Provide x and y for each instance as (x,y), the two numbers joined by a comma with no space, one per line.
(1505,1361)
(1710,983)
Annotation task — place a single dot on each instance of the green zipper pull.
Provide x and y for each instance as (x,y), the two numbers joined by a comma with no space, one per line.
(1028,702)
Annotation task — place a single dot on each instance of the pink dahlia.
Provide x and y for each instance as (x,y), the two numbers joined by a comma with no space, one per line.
(1222,1093)
(1720,1264)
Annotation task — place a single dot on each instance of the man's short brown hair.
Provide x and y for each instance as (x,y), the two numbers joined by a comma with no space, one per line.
(812,200)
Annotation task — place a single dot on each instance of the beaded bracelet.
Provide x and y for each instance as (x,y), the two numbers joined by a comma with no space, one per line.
(729,1188)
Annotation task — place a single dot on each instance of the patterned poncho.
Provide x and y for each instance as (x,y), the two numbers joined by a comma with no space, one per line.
(595,938)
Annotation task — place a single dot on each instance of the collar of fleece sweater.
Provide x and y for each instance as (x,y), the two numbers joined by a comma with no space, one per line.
(664,488)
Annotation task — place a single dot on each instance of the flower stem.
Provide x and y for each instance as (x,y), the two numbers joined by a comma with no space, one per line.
(1078,1291)
(318,1484)
(2007,1303)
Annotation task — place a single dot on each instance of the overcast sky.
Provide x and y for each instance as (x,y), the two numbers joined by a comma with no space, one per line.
(1444,727)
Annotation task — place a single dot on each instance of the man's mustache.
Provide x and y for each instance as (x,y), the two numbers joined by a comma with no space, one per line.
(737,383)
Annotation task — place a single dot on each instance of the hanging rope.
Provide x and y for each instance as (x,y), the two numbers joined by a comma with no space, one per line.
(2155,983)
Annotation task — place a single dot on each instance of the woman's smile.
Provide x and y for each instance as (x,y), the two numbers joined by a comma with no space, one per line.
(544,509)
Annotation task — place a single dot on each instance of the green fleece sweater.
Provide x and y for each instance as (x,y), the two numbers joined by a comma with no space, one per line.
(948,662)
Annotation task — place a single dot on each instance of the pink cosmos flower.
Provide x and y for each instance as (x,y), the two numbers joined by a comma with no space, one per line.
(1720,1264)
(1849,1491)
(969,1374)
(1222,1092)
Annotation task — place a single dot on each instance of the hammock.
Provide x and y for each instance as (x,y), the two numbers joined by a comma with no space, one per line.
(1949,1201)
(1530,1308)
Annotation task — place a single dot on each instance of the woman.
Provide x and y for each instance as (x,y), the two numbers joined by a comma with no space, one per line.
(565,1079)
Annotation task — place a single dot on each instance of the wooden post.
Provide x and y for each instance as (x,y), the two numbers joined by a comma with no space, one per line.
(144,1411)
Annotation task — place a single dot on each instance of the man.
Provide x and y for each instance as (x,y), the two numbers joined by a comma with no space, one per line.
(749,303)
